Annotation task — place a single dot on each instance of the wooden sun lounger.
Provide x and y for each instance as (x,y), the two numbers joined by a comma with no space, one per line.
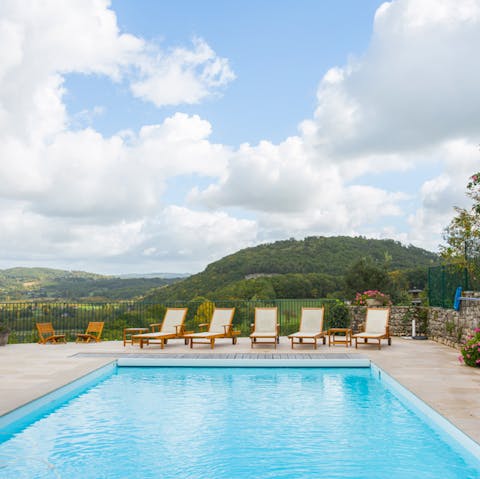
(47,334)
(265,327)
(375,327)
(311,327)
(219,327)
(93,332)
(171,328)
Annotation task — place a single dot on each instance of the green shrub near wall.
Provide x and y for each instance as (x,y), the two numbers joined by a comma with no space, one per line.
(339,316)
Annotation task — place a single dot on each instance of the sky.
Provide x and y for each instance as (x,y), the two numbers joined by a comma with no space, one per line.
(144,136)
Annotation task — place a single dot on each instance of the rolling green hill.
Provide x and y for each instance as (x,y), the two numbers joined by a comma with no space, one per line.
(313,267)
(17,284)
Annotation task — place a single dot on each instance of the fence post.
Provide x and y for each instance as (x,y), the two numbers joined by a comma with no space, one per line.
(466,279)
(443,286)
(429,285)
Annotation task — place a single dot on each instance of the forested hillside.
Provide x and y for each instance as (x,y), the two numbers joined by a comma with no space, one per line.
(17,284)
(316,267)
(313,267)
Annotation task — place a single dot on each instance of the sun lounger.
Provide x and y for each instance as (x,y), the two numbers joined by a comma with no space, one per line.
(311,327)
(220,326)
(47,334)
(93,332)
(265,327)
(171,328)
(376,326)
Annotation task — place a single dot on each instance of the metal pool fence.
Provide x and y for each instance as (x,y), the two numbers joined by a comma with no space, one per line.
(444,280)
(73,318)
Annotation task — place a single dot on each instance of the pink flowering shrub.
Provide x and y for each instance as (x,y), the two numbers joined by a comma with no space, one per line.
(361,298)
(474,181)
(471,350)
(473,187)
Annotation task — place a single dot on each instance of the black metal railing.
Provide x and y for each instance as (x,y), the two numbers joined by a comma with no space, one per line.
(73,318)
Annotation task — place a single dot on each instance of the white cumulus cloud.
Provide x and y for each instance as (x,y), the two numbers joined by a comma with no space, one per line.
(182,76)
(72,195)
(408,103)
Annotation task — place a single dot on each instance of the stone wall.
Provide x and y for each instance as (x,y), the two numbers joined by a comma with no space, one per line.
(451,327)
(400,319)
(445,326)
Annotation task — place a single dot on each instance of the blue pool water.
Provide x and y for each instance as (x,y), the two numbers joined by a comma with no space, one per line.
(223,423)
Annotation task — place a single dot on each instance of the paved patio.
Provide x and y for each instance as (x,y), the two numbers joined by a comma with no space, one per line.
(429,370)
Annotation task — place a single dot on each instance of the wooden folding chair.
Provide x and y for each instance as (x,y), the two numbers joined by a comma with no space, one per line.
(47,334)
(93,332)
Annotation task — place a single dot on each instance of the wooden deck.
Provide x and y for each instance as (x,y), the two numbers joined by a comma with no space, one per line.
(273,356)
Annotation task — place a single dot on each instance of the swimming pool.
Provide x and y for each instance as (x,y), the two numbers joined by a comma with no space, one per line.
(228,423)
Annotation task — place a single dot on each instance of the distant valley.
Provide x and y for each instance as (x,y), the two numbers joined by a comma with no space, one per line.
(27,284)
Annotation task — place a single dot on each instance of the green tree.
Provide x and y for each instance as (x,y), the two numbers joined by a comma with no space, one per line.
(366,274)
(204,311)
(338,315)
(462,235)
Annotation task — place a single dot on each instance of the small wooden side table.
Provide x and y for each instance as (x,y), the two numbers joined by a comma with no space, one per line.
(128,334)
(334,338)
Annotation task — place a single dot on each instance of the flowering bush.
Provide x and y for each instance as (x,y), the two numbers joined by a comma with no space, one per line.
(474,181)
(473,187)
(361,298)
(471,350)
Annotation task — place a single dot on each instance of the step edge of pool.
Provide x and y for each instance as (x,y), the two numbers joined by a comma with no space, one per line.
(245,363)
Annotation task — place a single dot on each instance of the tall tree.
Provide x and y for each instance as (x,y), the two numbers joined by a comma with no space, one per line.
(366,274)
(462,235)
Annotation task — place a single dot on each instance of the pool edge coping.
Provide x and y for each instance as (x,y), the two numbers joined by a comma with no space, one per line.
(58,395)
(425,410)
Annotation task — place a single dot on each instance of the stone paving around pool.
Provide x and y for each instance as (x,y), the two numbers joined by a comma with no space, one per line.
(429,370)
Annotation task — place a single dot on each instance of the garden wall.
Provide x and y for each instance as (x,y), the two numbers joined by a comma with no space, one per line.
(451,327)
(400,319)
(446,326)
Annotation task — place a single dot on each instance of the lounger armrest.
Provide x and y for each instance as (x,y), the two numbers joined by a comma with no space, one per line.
(155,325)
(179,329)
(203,326)
(387,331)
(252,327)
(361,327)
(227,328)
